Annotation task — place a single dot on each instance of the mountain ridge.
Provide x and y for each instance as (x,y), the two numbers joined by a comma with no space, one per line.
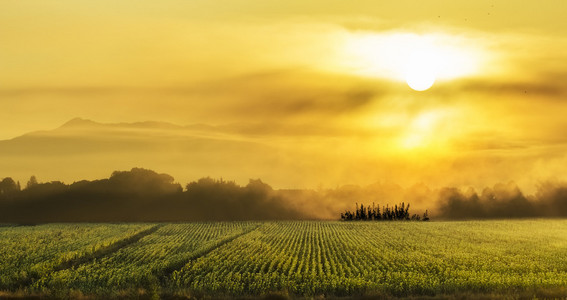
(82,148)
(81,124)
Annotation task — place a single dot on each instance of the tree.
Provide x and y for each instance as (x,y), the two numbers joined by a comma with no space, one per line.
(8,187)
(32,182)
(396,213)
(425,216)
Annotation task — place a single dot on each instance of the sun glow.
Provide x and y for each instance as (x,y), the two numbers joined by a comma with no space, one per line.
(421,131)
(418,59)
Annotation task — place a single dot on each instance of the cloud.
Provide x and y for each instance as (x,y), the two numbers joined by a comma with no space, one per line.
(541,86)
(288,93)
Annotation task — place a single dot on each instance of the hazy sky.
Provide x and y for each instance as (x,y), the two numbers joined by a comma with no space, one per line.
(323,82)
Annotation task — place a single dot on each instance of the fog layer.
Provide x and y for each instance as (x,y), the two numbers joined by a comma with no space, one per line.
(144,195)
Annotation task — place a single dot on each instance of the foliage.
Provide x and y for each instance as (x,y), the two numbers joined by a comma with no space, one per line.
(144,263)
(396,213)
(140,195)
(393,258)
(296,258)
(28,252)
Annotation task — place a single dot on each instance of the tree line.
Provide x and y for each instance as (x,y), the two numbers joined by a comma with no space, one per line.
(395,213)
(141,195)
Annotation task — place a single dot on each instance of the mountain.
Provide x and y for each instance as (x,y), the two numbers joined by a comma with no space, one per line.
(85,149)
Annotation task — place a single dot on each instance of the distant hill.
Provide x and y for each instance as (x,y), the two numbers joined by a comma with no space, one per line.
(85,149)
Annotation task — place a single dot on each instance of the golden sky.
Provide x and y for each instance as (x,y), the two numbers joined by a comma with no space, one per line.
(323,83)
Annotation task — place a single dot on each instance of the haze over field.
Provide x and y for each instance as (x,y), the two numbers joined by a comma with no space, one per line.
(302,95)
(285,149)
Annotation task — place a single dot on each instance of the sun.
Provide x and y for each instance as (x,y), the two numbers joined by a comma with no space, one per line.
(420,68)
(420,79)
(421,60)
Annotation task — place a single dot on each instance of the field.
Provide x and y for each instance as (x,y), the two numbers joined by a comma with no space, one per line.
(286,259)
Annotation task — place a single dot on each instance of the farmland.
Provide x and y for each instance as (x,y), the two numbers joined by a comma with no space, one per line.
(295,259)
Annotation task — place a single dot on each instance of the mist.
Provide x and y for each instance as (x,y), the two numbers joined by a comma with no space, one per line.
(142,195)
(503,201)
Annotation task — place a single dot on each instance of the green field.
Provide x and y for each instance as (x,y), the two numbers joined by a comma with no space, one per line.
(291,259)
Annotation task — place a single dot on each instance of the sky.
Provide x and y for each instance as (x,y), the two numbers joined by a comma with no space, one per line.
(327,85)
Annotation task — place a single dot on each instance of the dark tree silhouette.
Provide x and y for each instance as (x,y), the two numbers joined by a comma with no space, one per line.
(397,213)
(8,188)
(32,182)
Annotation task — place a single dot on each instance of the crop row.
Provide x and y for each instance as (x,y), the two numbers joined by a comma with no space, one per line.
(312,258)
(28,252)
(143,264)
(303,258)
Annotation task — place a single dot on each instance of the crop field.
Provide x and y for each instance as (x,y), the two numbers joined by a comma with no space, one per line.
(292,259)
